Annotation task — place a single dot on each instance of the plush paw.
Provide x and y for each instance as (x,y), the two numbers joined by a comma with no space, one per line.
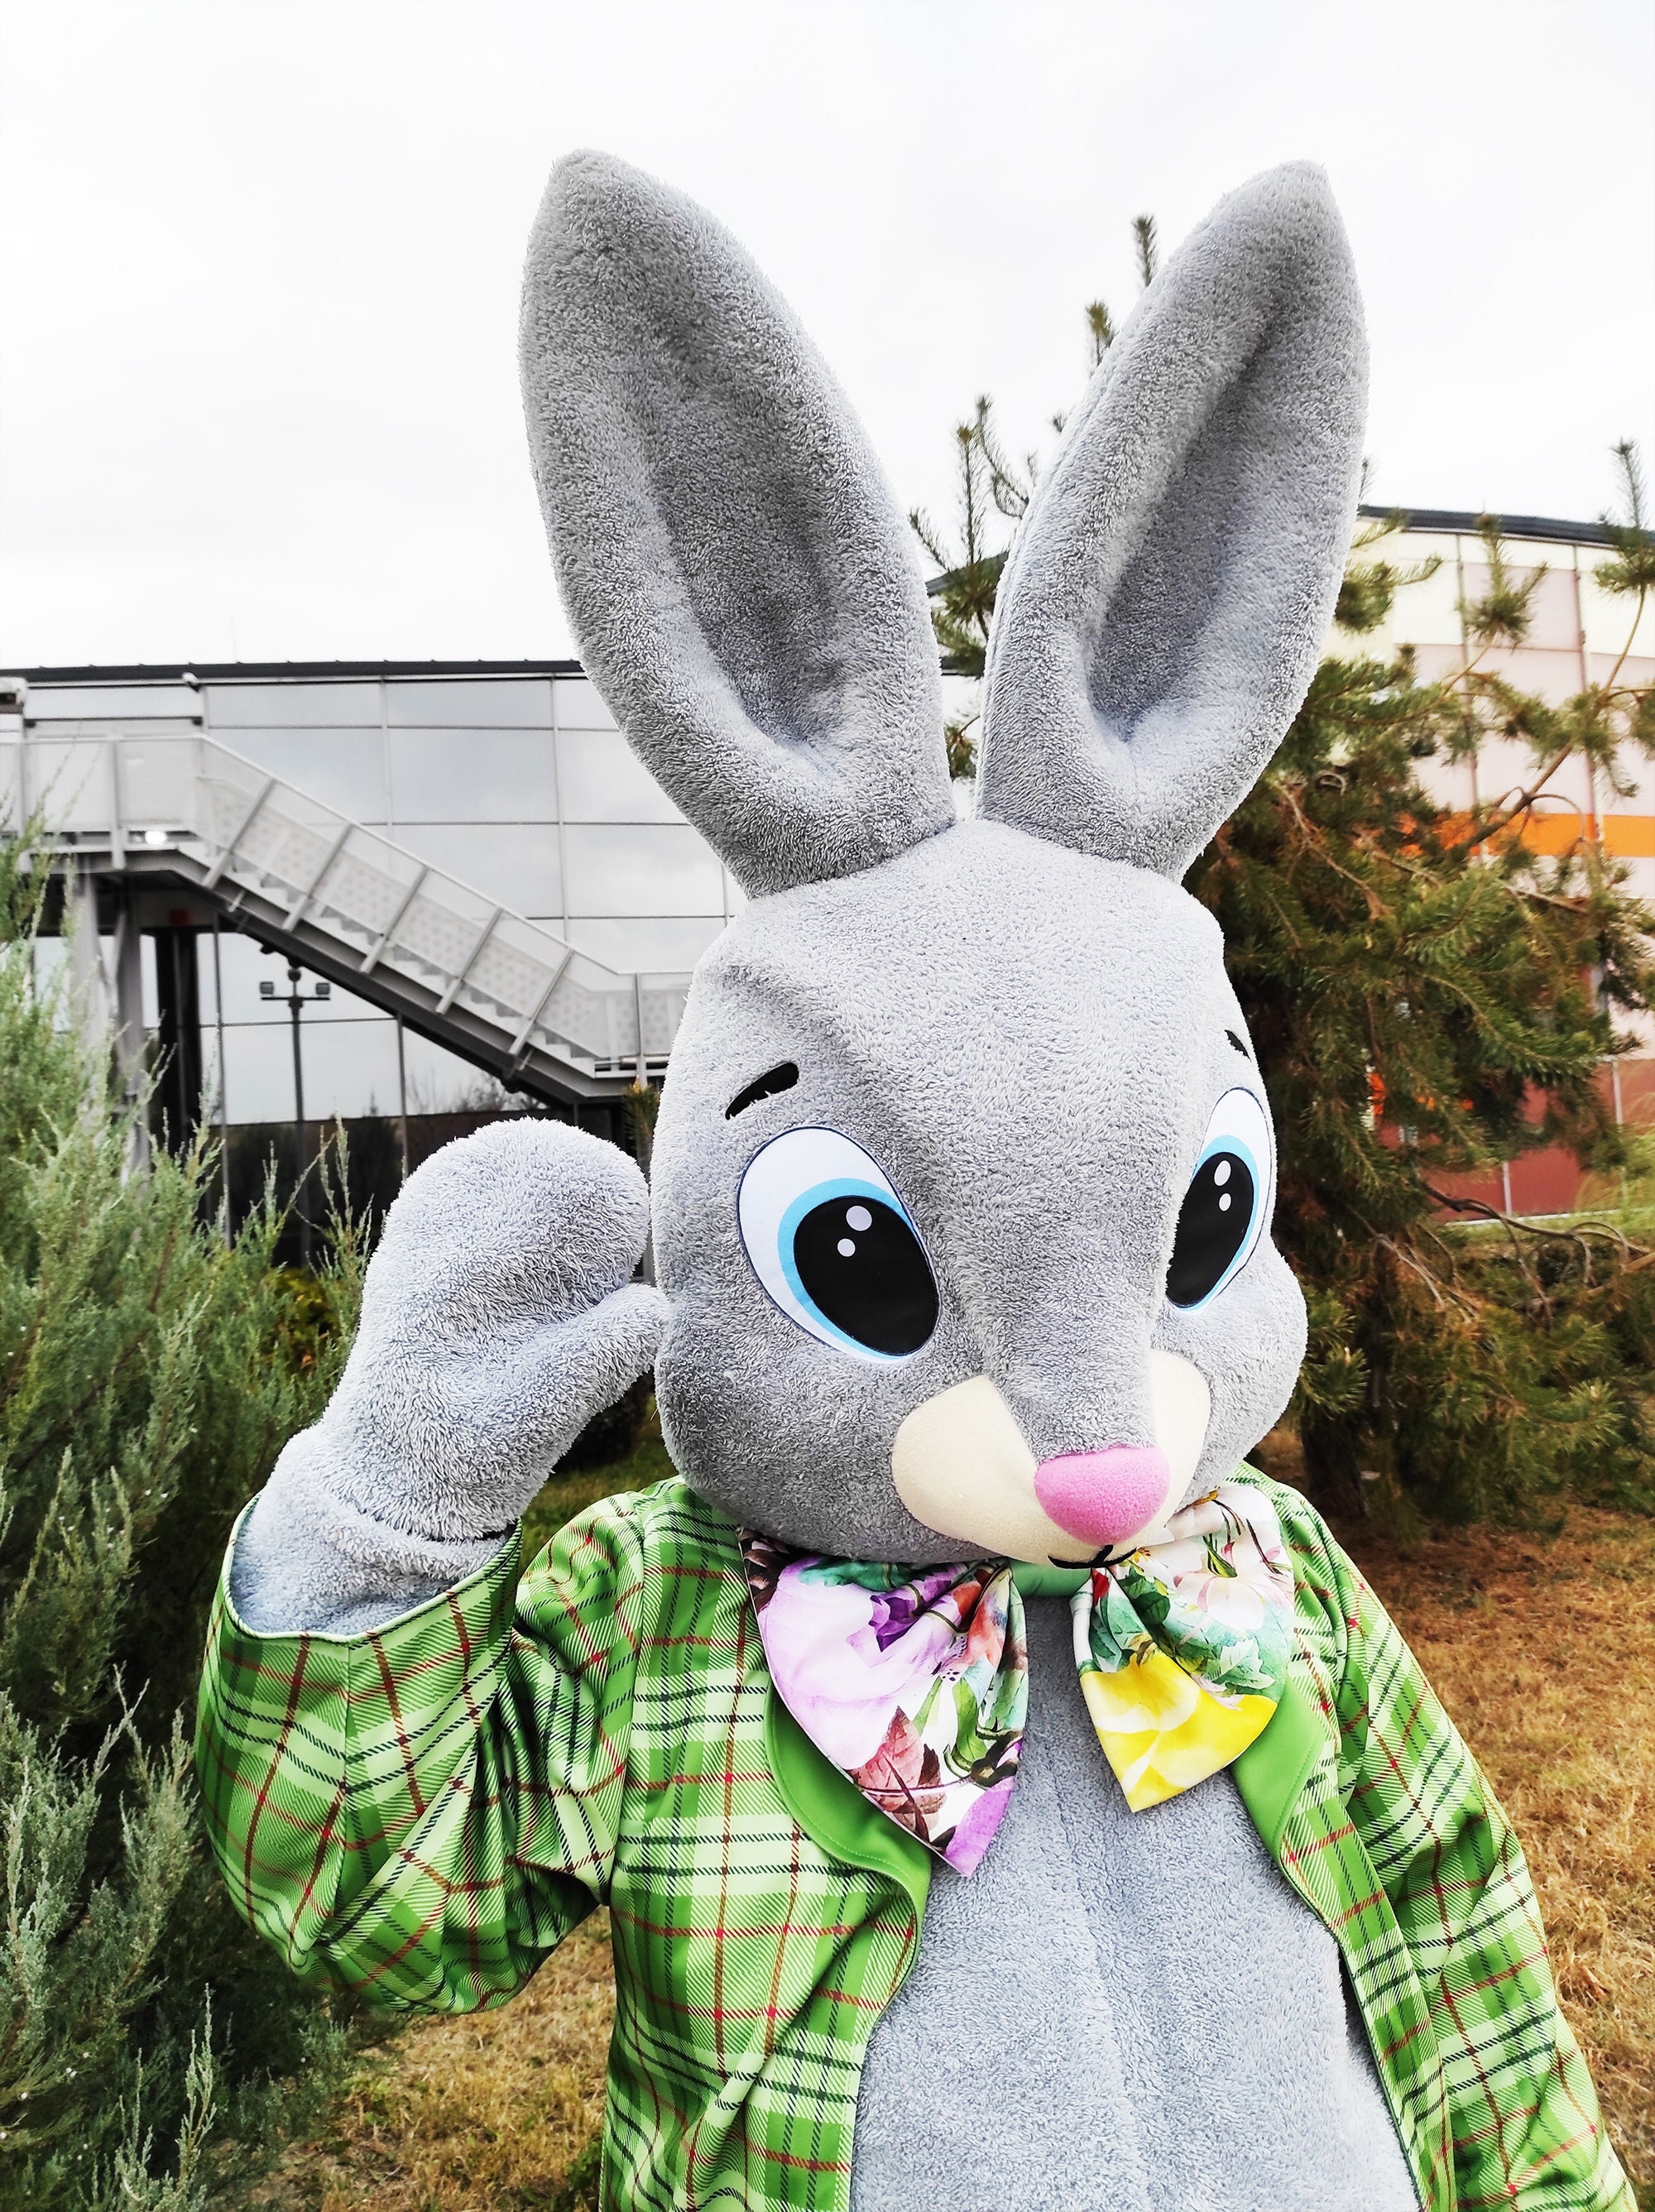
(499,1316)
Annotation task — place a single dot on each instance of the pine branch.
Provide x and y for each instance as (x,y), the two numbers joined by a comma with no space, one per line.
(1143,233)
(1633,571)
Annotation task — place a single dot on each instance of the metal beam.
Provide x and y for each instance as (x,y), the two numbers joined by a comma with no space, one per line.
(395,923)
(482,937)
(227,852)
(315,883)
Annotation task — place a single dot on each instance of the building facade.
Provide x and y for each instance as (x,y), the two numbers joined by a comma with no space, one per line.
(1578,634)
(501,903)
(510,781)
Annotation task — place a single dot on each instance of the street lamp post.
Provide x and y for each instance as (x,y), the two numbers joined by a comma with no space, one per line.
(295,1001)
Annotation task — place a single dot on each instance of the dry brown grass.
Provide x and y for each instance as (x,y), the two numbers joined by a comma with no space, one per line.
(488,2112)
(1542,1647)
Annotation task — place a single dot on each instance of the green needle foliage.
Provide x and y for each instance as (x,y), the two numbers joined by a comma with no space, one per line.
(1431,998)
(149,1375)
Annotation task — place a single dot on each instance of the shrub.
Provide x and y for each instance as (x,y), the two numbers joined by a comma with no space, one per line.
(149,1373)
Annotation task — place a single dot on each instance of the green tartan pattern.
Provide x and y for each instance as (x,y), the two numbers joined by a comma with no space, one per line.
(423,1812)
(1400,1846)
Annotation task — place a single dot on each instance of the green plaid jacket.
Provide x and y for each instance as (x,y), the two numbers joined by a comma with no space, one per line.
(423,1812)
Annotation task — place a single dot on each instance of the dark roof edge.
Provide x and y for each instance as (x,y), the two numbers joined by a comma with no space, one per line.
(1544,527)
(287,671)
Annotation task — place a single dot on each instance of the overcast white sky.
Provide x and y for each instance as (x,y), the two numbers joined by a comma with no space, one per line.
(259,282)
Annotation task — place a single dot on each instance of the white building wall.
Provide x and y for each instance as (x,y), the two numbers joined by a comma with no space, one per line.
(1578,635)
(521,786)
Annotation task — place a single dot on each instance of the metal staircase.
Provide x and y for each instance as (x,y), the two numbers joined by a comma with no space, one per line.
(506,993)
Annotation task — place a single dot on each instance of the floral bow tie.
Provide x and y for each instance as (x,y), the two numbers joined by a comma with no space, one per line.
(915,1682)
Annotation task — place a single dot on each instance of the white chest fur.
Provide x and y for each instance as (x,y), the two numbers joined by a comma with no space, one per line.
(1121,2012)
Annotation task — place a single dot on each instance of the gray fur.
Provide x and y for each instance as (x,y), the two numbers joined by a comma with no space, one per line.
(1162,609)
(1122,2012)
(307,1559)
(498,1316)
(996,1020)
(1022,1020)
(744,591)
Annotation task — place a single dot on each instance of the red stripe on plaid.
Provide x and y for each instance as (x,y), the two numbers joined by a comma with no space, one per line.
(610,1737)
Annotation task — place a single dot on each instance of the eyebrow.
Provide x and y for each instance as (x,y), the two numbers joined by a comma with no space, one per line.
(781,1078)
(1237,1042)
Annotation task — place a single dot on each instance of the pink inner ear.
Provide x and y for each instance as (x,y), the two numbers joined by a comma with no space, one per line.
(1104,1497)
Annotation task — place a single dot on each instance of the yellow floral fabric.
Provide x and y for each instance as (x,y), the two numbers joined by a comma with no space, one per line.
(914,1681)
(1183,1644)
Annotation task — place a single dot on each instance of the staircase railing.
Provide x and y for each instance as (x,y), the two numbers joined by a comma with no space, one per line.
(186,804)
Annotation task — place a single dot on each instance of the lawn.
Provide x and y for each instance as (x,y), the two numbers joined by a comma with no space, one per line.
(1541,1645)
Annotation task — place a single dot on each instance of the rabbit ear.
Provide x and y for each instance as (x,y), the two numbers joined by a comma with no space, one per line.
(744,590)
(1161,614)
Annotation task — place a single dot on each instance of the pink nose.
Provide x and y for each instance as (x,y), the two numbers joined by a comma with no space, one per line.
(1104,1497)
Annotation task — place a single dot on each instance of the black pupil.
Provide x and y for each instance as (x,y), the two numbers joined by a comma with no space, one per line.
(1217,1212)
(862,1265)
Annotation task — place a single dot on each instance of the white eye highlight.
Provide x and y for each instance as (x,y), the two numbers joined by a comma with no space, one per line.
(834,1247)
(1227,1203)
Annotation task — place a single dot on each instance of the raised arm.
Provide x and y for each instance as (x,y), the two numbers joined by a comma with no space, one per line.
(499,1315)
(411,1768)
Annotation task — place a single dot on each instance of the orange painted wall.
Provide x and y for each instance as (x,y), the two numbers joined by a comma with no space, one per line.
(1549,1182)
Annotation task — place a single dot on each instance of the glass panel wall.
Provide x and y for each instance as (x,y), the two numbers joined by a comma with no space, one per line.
(307,705)
(472,776)
(349,1049)
(103,702)
(640,868)
(520,786)
(497,703)
(513,864)
(344,767)
(601,779)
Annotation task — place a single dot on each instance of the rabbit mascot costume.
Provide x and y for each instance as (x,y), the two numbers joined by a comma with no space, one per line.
(1000,1792)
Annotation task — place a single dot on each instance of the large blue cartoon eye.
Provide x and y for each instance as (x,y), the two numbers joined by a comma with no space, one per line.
(832,1244)
(1227,1204)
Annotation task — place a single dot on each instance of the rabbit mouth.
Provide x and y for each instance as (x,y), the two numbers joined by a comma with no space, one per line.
(961,1465)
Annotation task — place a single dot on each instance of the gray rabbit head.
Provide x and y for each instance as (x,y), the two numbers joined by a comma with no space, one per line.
(964,1174)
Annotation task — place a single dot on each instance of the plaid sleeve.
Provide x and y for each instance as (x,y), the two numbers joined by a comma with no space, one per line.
(421,1813)
(1522,2123)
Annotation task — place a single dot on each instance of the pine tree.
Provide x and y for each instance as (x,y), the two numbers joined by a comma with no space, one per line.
(992,489)
(1430,998)
(149,1375)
